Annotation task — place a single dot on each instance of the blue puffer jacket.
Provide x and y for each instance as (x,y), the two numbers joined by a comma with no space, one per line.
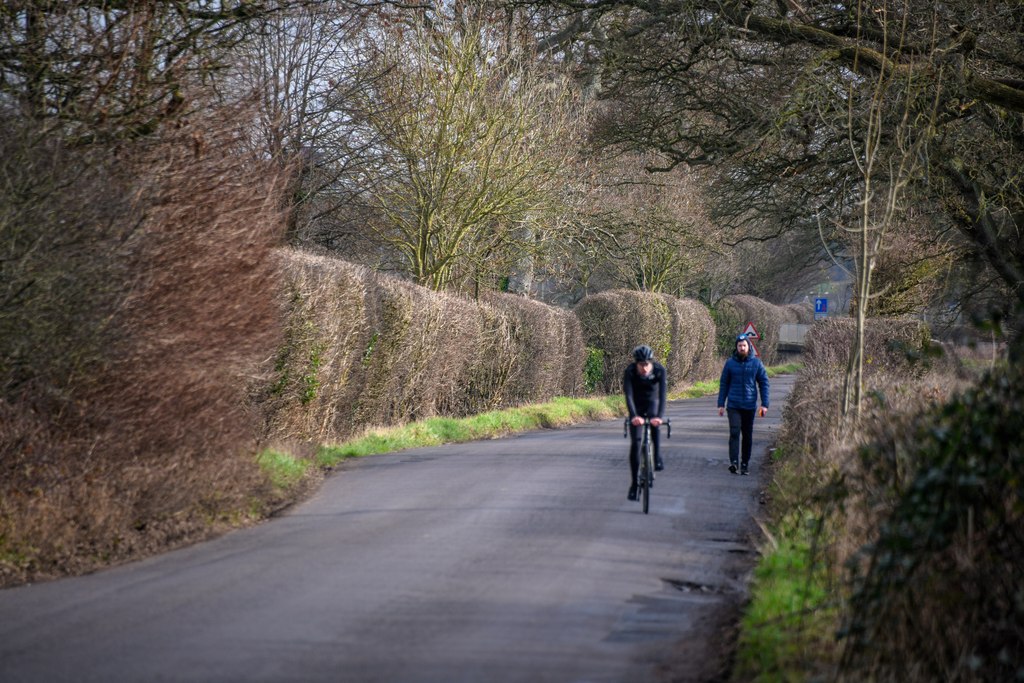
(741,379)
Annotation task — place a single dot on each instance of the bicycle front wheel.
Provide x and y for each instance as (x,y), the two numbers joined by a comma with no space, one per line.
(648,474)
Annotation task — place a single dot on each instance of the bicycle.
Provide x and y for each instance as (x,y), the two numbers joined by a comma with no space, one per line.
(645,473)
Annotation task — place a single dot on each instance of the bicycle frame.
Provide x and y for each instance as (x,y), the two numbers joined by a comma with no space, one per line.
(645,471)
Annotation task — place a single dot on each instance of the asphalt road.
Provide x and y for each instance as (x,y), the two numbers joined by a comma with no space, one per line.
(516,559)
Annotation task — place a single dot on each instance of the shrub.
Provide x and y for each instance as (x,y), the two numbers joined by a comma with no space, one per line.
(936,582)
(892,349)
(550,348)
(802,314)
(693,354)
(593,372)
(890,344)
(324,304)
(150,290)
(916,505)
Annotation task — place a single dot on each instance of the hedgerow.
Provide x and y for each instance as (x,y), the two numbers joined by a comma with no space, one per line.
(914,514)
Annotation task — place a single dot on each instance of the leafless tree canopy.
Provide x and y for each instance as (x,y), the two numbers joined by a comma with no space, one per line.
(776,96)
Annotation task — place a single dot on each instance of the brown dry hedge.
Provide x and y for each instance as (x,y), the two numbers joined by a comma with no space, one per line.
(733,313)
(125,429)
(364,350)
(681,333)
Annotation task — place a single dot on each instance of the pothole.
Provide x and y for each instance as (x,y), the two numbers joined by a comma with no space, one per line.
(692,587)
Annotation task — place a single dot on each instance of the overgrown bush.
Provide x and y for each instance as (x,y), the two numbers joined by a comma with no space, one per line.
(937,589)
(916,510)
(897,345)
(895,352)
(141,294)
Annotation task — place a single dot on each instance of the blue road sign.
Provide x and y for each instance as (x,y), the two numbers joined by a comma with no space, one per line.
(821,305)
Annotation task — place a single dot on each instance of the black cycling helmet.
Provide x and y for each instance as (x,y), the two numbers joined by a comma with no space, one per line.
(741,337)
(643,353)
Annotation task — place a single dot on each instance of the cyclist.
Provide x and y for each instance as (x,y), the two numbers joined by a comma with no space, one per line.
(743,375)
(644,382)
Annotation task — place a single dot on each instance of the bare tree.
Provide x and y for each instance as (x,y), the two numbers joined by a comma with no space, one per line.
(304,64)
(740,86)
(110,70)
(887,155)
(641,231)
(469,144)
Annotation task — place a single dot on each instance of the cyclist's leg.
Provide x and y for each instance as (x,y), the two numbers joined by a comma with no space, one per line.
(735,425)
(659,464)
(635,436)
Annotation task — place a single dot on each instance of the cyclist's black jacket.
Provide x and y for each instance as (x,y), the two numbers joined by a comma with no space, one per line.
(645,396)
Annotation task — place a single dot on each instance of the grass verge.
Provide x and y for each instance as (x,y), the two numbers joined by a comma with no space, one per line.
(440,430)
(285,471)
(787,369)
(697,390)
(436,431)
(790,619)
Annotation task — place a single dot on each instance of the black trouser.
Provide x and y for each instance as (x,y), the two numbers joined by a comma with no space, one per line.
(741,423)
(637,434)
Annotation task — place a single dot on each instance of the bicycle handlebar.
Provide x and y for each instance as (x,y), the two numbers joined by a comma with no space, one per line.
(664,421)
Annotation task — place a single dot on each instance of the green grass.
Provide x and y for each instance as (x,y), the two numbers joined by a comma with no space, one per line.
(789,621)
(440,430)
(283,470)
(787,369)
(436,431)
(706,388)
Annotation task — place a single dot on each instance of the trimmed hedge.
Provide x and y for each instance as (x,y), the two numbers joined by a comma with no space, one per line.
(802,314)
(325,304)
(550,342)
(616,322)
(363,349)
(680,331)
(733,313)
(693,357)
